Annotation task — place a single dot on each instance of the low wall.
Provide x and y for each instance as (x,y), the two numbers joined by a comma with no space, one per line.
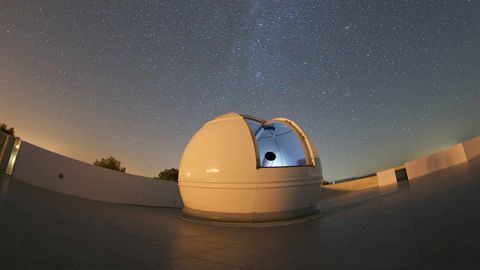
(386,178)
(455,155)
(354,185)
(6,146)
(472,148)
(52,171)
(441,160)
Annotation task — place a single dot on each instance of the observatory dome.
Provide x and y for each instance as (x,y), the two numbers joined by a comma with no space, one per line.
(239,168)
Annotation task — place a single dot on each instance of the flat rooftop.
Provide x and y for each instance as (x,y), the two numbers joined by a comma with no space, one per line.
(433,222)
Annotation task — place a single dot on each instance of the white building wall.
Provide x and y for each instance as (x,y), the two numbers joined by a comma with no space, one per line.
(386,178)
(441,160)
(6,146)
(472,148)
(52,171)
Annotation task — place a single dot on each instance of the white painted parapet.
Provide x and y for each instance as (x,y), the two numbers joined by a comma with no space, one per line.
(449,157)
(472,148)
(6,146)
(386,178)
(42,168)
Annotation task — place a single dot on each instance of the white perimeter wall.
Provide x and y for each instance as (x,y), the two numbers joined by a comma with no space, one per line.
(472,148)
(42,168)
(441,160)
(6,146)
(386,178)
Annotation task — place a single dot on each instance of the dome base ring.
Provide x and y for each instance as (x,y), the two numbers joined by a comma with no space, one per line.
(249,219)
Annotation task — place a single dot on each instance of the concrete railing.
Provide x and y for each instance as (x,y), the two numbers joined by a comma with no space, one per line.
(42,168)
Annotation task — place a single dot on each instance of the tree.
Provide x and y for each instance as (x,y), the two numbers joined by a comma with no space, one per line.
(110,163)
(4,128)
(169,174)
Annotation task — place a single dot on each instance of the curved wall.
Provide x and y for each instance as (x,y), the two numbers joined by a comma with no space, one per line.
(42,168)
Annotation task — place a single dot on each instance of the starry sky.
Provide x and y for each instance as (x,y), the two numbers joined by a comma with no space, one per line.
(374,83)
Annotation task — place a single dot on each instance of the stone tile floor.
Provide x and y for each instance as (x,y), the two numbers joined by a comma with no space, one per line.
(430,223)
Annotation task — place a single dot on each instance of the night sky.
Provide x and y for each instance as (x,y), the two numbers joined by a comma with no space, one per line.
(373,83)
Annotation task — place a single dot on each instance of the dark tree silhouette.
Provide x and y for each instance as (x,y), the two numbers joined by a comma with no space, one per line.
(110,163)
(6,129)
(169,174)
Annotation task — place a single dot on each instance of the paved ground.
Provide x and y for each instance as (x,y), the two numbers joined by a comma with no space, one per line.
(432,223)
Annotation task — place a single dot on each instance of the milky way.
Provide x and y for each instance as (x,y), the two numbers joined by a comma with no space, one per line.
(373,83)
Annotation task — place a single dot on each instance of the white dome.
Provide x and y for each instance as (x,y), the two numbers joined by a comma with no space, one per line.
(242,169)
